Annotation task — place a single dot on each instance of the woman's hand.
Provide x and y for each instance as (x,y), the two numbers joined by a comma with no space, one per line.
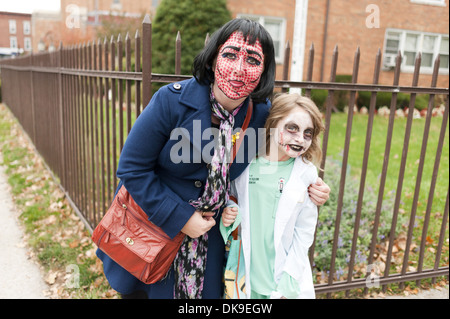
(319,192)
(199,224)
(229,215)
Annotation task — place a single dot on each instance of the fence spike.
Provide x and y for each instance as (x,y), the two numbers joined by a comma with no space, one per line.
(376,73)
(398,62)
(136,36)
(178,53)
(127,36)
(417,68)
(379,54)
(356,67)
(146,60)
(206,39)
(334,63)
(434,77)
(310,65)
(287,52)
(147,19)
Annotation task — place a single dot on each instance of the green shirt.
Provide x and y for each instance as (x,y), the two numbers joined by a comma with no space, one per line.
(266,182)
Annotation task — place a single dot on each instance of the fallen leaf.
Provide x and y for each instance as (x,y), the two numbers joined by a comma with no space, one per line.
(51,278)
(74,244)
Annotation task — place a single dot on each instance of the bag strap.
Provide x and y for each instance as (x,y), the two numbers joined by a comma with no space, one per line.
(242,131)
(235,232)
(236,146)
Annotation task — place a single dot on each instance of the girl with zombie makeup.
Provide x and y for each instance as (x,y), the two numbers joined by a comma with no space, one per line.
(277,217)
(170,169)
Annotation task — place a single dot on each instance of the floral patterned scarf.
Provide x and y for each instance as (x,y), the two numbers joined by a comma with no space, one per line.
(190,261)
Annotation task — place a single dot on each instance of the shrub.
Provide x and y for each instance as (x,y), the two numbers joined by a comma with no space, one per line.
(422,101)
(384,99)
(319,97)
(341,98)
(327,217)
(194,19)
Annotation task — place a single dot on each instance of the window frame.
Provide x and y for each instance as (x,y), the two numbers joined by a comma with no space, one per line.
(13,39)
(12,26)
(439,3)
(419,48)
(26,27)
(25,46)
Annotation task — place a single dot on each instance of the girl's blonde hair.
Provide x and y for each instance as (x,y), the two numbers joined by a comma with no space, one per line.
(282,105)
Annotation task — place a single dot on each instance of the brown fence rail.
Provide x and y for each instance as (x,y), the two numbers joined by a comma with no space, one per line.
(78,104)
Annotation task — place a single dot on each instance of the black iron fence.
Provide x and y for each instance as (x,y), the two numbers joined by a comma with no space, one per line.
(78,104)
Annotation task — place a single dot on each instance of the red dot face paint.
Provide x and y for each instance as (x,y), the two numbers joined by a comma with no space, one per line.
(238,67)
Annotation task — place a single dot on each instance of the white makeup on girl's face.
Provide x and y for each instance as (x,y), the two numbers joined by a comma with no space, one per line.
(294,134)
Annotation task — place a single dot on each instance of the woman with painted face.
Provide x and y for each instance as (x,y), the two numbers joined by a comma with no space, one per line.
(277,218)
(175,161)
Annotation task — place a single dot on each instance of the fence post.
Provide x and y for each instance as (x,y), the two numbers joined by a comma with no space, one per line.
(146,60)
(61,117)
(178,54)
(287,52)
(33,138)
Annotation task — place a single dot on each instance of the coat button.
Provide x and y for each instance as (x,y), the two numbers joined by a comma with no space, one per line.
(198,184)
(177,86)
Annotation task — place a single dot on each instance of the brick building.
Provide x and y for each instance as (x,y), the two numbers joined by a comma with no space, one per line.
(77,20)
(406,25)
(15,35)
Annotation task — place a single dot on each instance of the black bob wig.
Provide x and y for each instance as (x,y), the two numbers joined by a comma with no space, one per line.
(202,66)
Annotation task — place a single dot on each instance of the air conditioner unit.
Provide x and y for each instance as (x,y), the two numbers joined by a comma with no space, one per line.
(389,60)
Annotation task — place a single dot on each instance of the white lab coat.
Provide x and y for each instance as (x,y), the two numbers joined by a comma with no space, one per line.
(295,224)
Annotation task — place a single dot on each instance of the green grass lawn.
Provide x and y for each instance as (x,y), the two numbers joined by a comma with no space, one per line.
(375,164)
(377,149)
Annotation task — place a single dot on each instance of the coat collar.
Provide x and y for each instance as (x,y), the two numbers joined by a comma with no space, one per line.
(196,96)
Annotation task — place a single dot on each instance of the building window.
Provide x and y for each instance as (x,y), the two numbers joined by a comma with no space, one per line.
(116,5)
(26,27)
(440,3)
(409,43)
(277,30)
(27,44)
(12,26)
(13,42)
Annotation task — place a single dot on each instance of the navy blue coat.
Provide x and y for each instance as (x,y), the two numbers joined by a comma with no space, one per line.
(174,127)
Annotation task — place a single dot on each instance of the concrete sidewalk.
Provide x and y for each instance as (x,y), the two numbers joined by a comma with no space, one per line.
(20,277)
